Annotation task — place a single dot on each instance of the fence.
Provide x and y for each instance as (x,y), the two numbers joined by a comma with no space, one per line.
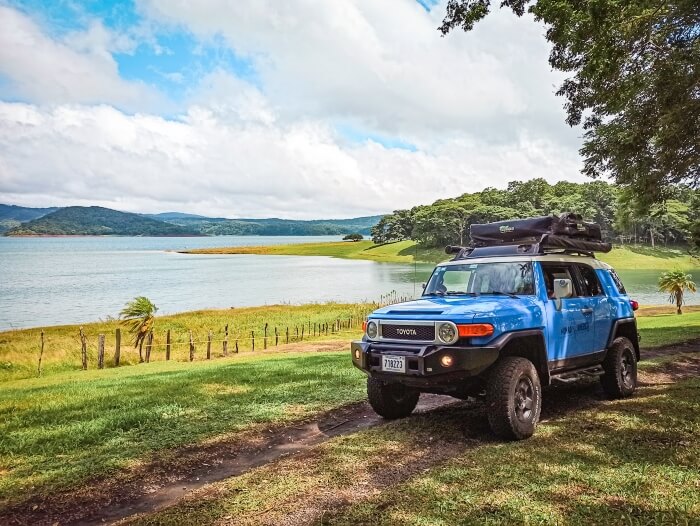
(185,344)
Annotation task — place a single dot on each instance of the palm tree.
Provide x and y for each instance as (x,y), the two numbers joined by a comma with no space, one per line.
(676,282)
(139,316)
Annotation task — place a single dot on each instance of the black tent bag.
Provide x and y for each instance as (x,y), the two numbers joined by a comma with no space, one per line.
(560,229)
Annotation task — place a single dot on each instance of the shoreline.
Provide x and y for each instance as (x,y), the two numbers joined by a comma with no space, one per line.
(625,257)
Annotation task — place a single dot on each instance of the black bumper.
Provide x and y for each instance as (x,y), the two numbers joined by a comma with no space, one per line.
(423,367)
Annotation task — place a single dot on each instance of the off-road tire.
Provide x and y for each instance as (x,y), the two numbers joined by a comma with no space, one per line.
(390,400)
(620,366)
(514,398)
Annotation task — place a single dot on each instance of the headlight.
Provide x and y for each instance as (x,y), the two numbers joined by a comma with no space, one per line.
(447,333)
(371,330)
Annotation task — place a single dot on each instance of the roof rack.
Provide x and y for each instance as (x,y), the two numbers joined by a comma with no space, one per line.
(545,244)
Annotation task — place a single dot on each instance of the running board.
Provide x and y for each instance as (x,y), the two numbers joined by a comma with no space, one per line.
(578,374)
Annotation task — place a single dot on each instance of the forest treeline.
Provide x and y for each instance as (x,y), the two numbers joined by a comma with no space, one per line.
(673,222)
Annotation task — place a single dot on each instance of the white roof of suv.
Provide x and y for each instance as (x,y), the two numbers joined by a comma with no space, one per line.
(560,258)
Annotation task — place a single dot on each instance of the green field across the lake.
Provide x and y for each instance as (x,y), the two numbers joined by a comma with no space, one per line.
(622,257)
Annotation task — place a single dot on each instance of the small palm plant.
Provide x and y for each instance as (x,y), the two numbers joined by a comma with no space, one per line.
(139,316)
(676,282)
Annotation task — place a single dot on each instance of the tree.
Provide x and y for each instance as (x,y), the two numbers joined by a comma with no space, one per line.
(139,316)
(634,83)
(676,282)
(353,237)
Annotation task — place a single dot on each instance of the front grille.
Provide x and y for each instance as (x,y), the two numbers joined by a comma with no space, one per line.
(409,332)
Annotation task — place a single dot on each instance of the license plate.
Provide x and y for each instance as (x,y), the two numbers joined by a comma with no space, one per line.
(394,364)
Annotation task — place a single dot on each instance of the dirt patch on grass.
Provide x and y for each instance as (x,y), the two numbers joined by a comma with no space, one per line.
(690,346)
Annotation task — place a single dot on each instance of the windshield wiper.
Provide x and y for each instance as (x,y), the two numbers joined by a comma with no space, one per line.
(501,293)
(455,293)
(435,293)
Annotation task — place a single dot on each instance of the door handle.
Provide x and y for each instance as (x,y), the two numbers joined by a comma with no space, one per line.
(587,310)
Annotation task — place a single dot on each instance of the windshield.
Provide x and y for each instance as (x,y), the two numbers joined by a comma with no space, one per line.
(482,278)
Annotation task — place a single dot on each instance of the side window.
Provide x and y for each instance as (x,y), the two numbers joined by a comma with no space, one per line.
(554,271)
(618,282)
(589,281)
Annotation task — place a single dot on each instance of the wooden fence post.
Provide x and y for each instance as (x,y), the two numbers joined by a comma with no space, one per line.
(296,329)
(287,340)
(209,345)
(117,346)
(265,338)
(302,332)
(277,337)
(252,335)
(225,344)
(83,349)
(41,352)
(167,345)
(100,351)
(191,347)
(236,346)
(149,346)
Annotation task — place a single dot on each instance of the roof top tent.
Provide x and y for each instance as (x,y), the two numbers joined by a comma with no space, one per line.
(565,233)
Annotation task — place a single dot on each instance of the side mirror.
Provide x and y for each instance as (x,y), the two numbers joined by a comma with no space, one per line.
(563,288)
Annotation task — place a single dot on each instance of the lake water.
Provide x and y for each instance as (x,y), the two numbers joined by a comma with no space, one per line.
(50,281)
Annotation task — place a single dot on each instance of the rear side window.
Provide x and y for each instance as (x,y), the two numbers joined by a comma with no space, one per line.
(618,282)
(590,284)
(554,271)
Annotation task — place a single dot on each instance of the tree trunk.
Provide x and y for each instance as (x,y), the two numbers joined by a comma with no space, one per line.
(141,350)
(679,302)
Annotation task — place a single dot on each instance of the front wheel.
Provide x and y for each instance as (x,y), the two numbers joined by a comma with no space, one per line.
(389,400)
(514,398)
(620,366)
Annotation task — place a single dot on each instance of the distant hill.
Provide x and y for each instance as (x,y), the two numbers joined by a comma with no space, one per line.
(11,216)
(278,227)
(171,216)
(97,221)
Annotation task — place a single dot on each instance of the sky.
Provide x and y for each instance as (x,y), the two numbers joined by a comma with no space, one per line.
(258,108)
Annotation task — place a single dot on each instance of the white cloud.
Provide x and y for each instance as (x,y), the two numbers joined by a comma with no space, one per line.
(77,68)
(384,64)
(479,108)
(237,167)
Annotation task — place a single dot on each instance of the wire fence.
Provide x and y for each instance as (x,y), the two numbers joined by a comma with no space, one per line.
(102,350)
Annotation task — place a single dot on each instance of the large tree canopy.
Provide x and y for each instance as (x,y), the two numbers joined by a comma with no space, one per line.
(634,84)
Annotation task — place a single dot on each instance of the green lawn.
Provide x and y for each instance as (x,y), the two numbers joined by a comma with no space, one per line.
(624,258)
(633,461)
(59,430)
(56,432)
(665,329)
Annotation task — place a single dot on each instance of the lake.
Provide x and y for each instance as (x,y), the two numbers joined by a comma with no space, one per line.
(51,281)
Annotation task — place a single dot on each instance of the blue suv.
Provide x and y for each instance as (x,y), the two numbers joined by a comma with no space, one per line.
(503,318)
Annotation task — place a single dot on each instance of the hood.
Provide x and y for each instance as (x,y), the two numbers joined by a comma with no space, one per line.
(466,309)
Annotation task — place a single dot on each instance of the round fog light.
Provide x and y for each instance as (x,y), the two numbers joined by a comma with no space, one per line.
(446,360)
(357,354)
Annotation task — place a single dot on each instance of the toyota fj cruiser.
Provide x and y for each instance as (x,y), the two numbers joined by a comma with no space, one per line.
(526,305)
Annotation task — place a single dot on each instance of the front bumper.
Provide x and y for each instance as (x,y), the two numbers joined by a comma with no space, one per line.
(423,367)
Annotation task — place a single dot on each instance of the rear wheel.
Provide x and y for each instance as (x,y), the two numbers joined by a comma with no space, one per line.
(514,398)
(391,400)
(620,366)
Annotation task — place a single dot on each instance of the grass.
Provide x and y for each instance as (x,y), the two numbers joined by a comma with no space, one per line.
(623,258)
(632,461)
(19,349)
(399,252)
(667,329)
(59,431)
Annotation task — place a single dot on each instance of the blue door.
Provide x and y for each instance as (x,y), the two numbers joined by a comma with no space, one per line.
(571,331)
(603,309)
